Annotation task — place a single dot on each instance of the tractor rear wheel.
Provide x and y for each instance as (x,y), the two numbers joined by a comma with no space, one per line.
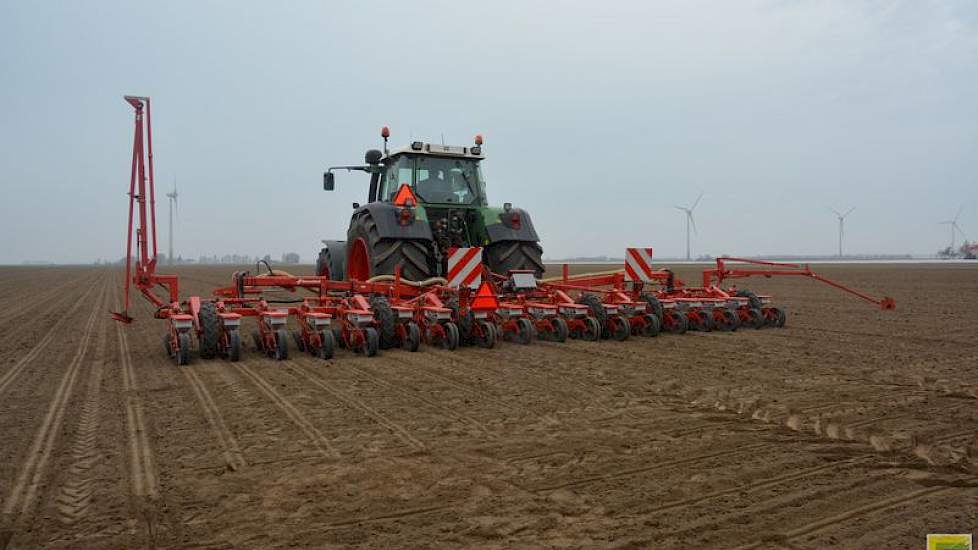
(369,255)
(332,261)
(505,256)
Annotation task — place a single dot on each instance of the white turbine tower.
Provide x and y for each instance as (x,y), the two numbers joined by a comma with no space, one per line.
(690,222)
(172,196)
(955,228)
(842,224)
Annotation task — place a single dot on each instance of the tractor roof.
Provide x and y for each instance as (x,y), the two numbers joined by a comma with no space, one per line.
(435,150)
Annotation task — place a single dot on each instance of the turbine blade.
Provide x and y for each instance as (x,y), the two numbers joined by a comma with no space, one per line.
(691,208)
(958,215)
(836,212)
(849,211)
(692,221)
(958,229)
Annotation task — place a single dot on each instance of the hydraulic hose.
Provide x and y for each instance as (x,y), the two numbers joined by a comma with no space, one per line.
(427,282)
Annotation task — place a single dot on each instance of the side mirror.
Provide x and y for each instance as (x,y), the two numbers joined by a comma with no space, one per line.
(356,205)
(329,182)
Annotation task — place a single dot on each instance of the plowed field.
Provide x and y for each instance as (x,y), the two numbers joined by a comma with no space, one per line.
(849,428)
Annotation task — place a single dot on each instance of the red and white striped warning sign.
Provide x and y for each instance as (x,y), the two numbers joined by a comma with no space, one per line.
(465,267)
(638,264)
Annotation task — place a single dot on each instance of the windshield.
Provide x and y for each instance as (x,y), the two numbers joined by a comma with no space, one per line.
(448,180)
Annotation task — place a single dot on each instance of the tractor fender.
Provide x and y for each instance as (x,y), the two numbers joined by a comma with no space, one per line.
(499,226)
(388,227)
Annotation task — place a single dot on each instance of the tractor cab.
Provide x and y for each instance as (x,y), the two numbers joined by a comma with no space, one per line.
(436,174)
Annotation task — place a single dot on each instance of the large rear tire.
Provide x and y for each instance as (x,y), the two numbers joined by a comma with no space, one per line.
(369,255)
(505,256)
(332,261)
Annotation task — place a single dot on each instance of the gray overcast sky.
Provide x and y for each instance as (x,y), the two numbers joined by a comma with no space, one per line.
(598,118)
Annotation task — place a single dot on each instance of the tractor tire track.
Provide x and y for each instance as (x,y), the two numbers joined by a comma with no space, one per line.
(649,468)
(312,433)
(229,445)
(831,521)
(62,293)
(541,387)
(11,374)
(27,483)
(358,404)
(142,464)
(422,367)
(417,397)
(77,490)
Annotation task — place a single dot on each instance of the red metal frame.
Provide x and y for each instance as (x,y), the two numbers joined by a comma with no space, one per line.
(723,272)
(141,182)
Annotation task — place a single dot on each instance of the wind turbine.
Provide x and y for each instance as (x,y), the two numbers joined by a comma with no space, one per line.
(172,196)
(842,224)
(690,221)
(954,227)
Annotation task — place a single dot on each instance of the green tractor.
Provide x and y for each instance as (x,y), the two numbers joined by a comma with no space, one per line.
(425,199)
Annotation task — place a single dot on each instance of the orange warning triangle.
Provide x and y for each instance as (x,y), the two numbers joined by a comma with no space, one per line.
(403,194)
(485,300)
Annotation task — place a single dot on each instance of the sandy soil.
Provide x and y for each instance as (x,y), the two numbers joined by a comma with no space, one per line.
(849,428)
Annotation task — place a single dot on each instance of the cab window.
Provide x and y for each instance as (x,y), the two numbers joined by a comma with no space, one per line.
(398,172)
